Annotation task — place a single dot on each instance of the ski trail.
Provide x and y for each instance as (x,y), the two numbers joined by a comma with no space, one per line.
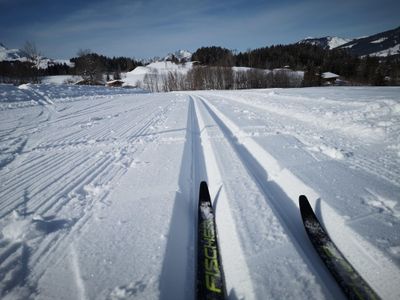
(264,242)
(64,177)
(80,285)
(180,250)
(373,265)
(236,273)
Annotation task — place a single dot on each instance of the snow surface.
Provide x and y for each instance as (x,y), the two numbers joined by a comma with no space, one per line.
(161,69)
(378,41)
(10,54)
(330,42)
(334,42)
(61,79)
(390,51)
(180,55)
(136,76)
(99,189)
(329,75)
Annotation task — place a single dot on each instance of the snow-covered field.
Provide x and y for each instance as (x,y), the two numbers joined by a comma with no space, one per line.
(99,189)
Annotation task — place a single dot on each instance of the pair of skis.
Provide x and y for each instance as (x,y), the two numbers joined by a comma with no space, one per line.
(210,279)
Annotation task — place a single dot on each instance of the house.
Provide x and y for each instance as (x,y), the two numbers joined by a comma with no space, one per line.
(329,78)
(114,83)
(88,82)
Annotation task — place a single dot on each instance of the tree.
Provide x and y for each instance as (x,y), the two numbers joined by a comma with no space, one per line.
(117,73)
(89,66)
(32,53)
(35,58)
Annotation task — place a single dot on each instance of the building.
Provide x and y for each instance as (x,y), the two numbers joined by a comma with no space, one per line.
(329,78)
(115,83)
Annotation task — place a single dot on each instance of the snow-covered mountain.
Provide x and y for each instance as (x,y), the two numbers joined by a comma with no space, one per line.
(327,42)
(11,54)
(381,44)
(19,55)
(181,55)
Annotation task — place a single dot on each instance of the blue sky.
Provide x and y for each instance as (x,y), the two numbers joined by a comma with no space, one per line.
(148,28)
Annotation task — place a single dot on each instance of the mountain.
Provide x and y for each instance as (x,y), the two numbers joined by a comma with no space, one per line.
(181,55)
(19,55)
(381,44)
(327,42)
(11,54)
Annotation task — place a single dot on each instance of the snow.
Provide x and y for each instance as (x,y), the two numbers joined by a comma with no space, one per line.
(390,51)
(61,79)
(10,54)
(379,40)
(329,75)
(334,42)
(99,189)
(180,55)
(19,55)
(137,75)
(328,41)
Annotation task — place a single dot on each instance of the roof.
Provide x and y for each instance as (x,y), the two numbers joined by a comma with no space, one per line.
(329,75)
(116,81)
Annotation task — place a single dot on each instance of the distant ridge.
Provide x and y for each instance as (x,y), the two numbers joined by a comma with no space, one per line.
(181,55)
(327,42)
(19,55)
(381,44)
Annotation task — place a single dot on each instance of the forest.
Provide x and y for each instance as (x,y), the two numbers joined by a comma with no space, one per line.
(213,66)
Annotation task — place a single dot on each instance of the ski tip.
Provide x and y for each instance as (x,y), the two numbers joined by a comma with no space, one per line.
(303,200)
(305,207)
(204,194)
(203,185)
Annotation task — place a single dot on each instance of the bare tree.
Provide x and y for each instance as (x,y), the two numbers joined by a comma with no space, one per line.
(32,53)
(89,67)
(34,58)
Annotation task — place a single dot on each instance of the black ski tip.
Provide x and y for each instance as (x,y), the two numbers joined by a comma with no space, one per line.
(203,185)
(303,202)
(204,194)
(302,199)
(305,208)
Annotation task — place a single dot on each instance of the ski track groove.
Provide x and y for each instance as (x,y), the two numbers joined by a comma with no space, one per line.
(381,167)
(43,256)
(54,164)
(51,174)
(235,268)
(15,193)
(375,166)
(50,194)
(39,168)
(275,200)
(83,177)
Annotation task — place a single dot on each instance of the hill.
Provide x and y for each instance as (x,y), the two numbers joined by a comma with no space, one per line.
(327,42)
(381,44)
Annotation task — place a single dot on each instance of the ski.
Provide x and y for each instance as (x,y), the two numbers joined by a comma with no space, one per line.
(352,284)
(210,282)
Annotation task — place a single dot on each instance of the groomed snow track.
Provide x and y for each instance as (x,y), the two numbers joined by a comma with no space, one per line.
(99,192)
(280,189)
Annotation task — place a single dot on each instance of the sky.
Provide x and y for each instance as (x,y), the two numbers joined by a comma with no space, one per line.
(148,28)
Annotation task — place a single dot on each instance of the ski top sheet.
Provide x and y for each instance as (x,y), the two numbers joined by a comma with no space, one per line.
(352,284)
(210,282)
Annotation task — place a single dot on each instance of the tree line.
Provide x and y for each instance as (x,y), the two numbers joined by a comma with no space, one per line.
(220,78)
(87,64)
(213,69)
(312,59)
